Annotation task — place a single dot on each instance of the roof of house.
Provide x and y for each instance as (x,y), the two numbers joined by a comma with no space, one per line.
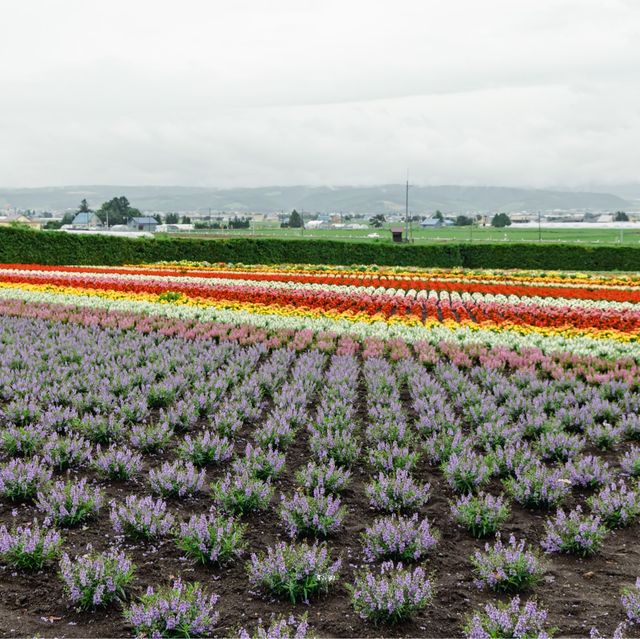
(397,230)
(144,220)
(431,221)
(83,218)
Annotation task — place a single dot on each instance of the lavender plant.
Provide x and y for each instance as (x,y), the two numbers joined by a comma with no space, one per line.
(20,480)
(390,456)
(588,472)
(296,571)
(329,476)
(22,441)
(99,428)
(151,437)
(69,503)
(398,538)
(72,451)
(481,514)
(616,504)
(537,486)
(605,436)
(212,538)
(398,492)
(260,463)
(339,446)
(29,547)
(393,595)
(574,533)
(181,610)
(507,621)
(557,445)
(141,518)
(630,601)
(279,628)
(467,471)
(205,448)
(507,567)
(176,479)
(241,493)
(630,462)
(116,463)
(96,579)
(318,514)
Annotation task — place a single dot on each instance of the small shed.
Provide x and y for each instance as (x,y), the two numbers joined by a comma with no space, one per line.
(396,234)
(143,224)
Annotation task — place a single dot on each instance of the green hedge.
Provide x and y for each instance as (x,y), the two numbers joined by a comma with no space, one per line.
(54,247)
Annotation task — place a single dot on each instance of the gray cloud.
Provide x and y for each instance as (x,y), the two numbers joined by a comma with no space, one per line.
(536,93)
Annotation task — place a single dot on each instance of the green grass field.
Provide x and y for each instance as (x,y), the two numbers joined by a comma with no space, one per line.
(444,234)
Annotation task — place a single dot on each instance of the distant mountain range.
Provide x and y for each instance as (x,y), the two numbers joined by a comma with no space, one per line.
(347,199)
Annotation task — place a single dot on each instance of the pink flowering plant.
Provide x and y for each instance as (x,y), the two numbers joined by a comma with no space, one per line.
(294,571)
(141,518)
(392,594)
(30,546)
(481,514)
(509,620)
(181,610)
(213,538)
(397,492)
(399,538)
(241,493)
(69,503)
(176,479)
(509,567)
(574,533)
(96,579)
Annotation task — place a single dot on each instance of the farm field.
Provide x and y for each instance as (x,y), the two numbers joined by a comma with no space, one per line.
(514,233)
(359,451)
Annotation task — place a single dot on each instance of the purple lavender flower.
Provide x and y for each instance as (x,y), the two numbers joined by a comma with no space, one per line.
(442,444)
(99,428)
(241,493)
(505,621)
(605,436)
(260,463)
(150,438)
(96,579)
(182,610)
(535,486)
(141,517)
(277,431)
(616,504)
(467,471)
(205,448)
(507,567)
(588,472)
(279,628)
(295,571)
(20,480)
(392,595)
(574,533)
(341,446)
(481,514)
(630,462)
(329,476)
(176,479)
(318,514)
(511,456)
(397,492)
(117,463)
(557,445)
(66,452)
(68,503)
(22,441)
(398,538)
(390,456)
(631,602)
(212,538)
(29,547)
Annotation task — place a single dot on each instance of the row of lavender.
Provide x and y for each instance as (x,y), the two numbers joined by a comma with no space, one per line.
(106,405)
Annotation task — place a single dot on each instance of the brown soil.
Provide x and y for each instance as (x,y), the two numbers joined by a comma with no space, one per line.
(577,593)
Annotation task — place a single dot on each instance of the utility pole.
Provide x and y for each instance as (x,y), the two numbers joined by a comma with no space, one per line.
(406,210)
(539,229)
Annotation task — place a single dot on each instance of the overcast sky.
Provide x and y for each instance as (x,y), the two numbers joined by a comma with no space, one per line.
(265,92)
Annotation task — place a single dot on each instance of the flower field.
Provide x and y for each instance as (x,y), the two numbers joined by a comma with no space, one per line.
(250,451)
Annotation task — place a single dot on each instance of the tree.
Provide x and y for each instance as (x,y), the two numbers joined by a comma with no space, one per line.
(463,220)
(118,210)
(500,220)
(620,216)
(171,218)
(295,220)
(377,220)
(84,207)
(186,219)
(439,216)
